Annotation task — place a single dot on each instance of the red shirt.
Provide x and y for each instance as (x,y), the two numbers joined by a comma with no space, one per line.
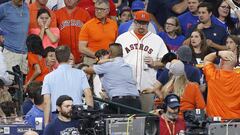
(89,6)
(169,128)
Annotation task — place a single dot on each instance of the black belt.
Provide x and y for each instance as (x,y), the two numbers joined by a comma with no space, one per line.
(125,97)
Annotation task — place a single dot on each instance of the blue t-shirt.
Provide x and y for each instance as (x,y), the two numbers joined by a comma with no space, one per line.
(193,74)
(187,20)
(34,113)
(15,21)
(172,44)
(27,105)
(58,127)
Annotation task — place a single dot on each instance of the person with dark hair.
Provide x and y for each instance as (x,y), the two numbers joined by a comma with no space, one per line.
(233,43)
(37,67)
(31,93)
(119,86)
(35,116)
(49,35)
(65,80)
(170,123)
(50,58)
(216,35)
(63,124)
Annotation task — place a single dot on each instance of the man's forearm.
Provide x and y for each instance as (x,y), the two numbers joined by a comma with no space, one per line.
(210,58)
(88,97)
(46,109)
(87,52)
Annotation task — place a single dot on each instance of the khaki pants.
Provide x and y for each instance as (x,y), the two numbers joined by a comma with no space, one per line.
(147,101)
(13,59)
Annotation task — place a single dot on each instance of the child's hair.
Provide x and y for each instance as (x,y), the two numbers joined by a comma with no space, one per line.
(100,53)
(47,50)
(34,44)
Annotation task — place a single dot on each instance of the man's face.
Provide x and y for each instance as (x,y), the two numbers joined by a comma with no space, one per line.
(101,10)
(192,5)
(18,2)
(42,2)
(66,108)
(141,27)
(172,113)
(70,3)
(204,15)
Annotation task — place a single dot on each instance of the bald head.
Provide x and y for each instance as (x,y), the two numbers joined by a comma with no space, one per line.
(115,50)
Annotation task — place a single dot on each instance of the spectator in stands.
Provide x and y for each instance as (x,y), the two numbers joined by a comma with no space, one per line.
(31,92)
(233,43)
(64,80)
(222,16)
(199,46)
(9,110)
(172,35)
(120,86)
(49,35)
(50,58)
(223,86)
(142,50)
(4,76)
(89,5)
(190,18)
(97,33)
(70,20)
(216,35)
(235,13)
(137,5)
(35,115)
(170,123)
(36,65)
(191,96)
(33,9)
(160,10)
(125,15)
(14,20)
(63,124)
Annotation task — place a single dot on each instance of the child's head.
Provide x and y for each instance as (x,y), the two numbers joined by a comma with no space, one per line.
(102,54)
(34,44)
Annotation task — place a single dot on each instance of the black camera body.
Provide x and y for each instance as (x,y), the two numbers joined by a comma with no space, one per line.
(196,122)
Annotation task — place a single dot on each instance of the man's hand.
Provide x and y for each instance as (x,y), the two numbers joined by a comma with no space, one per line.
(200,26)
(149,61)
(227,55)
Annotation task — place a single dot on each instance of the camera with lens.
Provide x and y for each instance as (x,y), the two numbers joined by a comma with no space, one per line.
(91,121)
(196,122)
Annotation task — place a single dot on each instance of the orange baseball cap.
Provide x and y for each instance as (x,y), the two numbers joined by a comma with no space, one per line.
(142,16)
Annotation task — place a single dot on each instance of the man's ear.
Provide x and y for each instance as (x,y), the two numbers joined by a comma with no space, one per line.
(58,109)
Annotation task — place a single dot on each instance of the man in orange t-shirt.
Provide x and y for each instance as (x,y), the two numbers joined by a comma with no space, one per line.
(70,20)
(33,10)
(223,86)
(97,33)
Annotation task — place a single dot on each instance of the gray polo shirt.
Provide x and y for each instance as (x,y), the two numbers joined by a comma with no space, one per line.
(117,78)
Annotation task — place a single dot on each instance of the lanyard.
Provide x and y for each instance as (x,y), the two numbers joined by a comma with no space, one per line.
(169,130)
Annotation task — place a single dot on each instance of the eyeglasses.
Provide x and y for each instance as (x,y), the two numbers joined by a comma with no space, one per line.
(141,23)
(101,9)
(225,7)
(171,24)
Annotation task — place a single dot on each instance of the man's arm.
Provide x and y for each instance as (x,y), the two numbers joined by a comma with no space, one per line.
(89,70)
(47,100)
(225,55)
(88,97)
(210,43)
(83,49)
(180,7)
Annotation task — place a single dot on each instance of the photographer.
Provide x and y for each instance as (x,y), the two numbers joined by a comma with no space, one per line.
(170,123)
(63,124)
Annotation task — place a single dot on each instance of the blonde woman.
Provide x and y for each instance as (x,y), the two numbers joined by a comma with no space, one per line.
(189,92)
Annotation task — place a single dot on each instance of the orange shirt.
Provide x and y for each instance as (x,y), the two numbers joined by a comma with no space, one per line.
(33,10)
(223,92)
(99,35)
(70,26)
(192,98)
(35,59)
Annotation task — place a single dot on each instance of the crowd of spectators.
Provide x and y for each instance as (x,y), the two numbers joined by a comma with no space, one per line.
(179,54)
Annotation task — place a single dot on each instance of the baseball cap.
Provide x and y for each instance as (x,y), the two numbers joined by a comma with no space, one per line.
(137,5)
(184,53)
(62,98)
(142,16)
(176,68)
(2,32)
(125,8)
(172,101)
